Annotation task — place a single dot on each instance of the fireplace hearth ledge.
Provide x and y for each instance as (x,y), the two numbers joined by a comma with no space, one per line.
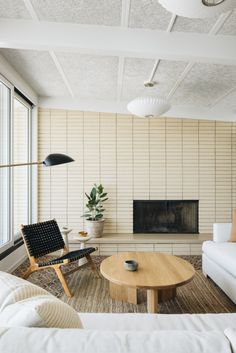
(176,244)
(149,238)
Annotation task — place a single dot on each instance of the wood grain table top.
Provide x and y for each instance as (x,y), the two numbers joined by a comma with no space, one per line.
(156,270)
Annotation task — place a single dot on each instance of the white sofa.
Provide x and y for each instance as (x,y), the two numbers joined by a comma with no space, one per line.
(128,333)
(106,333)
(219,259)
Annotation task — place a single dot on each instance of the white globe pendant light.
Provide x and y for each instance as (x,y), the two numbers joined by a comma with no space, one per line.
(198,8)
(148,107)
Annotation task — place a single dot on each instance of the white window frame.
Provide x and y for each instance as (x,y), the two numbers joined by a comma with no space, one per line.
(29,159)
(32,171)
(10,243)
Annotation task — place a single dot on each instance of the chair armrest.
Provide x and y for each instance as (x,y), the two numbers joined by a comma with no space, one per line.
(221,232)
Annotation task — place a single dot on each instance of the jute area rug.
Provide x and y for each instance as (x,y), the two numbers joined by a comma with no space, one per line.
(91,294)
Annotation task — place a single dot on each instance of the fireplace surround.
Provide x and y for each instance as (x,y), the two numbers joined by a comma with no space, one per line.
(165,216)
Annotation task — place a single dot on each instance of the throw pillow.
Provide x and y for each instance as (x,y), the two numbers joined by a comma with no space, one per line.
(233,229)
(40,311)
(15,289)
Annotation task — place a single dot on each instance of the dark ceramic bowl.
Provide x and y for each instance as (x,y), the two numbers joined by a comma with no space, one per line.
(130,265)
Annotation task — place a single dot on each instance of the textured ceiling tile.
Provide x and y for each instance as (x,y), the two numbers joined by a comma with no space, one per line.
(228,102)
(38,69)
(148,14)
(183,24)
(166,75)
(204,84)
(102,12)
(229,27)
(137,71)
(13,9)
(90,76)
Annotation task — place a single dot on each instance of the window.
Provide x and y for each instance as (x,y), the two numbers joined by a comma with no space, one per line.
(16,183)
(5,157)
(21,154)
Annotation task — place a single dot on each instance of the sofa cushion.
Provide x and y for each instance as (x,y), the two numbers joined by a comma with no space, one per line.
(35,340)
(14,289)
(224,254)
(230,333)
(40,311)
(140,322)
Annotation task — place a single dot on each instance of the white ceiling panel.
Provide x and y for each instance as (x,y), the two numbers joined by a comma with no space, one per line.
(167,74)
(38,69)
(136,71)
(148,14)
(90,76)
(229,27)
(183,24)
(204,84)
(13,9)
(228,102)
(102,12)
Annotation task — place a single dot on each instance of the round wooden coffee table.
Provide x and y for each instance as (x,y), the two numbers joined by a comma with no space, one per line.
(159,273)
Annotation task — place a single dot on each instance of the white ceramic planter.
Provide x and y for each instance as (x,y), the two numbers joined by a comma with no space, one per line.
(94,228)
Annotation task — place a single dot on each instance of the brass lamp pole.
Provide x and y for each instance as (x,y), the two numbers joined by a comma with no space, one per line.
(50,160)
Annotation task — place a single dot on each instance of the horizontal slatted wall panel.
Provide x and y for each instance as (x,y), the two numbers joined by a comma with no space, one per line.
(135,158)
(108,167)
(190,160)
(20,175)
(174,155)
(75,149)
(44,174)
(124,141)
(141,158)
(223,172)
(207,175)
(157,159)
(233,165)
(91,150)
(59,173)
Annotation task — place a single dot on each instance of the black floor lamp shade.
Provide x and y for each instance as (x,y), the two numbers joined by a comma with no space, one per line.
(57,158)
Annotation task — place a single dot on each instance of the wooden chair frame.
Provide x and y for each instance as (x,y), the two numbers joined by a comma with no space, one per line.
(34,266)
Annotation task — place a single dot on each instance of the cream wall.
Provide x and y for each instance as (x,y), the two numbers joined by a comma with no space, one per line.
(135,158)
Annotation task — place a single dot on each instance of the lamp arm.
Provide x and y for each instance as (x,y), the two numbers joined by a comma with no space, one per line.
(19,164)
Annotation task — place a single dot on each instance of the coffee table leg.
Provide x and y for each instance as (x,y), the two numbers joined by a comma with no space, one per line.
(152,301)
(126,294)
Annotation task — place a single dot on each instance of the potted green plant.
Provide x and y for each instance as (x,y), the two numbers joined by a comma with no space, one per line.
(94,223)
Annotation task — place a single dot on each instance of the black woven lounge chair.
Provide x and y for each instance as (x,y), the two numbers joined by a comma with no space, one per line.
(44,238)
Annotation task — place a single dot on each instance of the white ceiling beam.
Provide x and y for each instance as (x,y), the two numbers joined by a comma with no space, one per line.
(189,112)
(59,68)
(124,23)
(127,42)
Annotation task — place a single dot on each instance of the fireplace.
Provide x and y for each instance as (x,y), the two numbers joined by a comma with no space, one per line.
(165,216)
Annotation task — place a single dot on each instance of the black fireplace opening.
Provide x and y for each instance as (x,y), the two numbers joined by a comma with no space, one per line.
(165,216)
